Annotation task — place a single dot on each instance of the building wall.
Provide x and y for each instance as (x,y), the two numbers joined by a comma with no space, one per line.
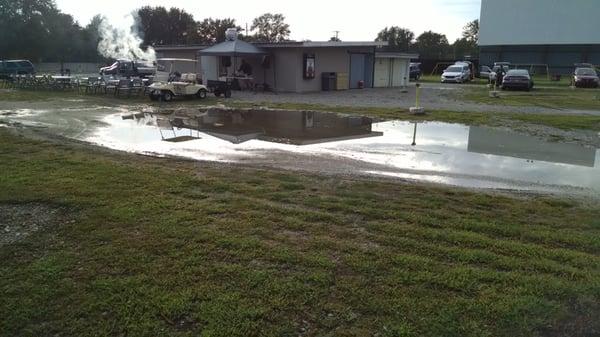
(539,22)
(285,71)
(391,72)
(183,67)
(289,66)
(560,59)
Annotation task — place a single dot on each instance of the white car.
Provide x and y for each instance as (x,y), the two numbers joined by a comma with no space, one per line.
(458,73)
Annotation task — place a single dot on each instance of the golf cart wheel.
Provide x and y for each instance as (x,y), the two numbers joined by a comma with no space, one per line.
(167,96)
(201,94)
(228,93)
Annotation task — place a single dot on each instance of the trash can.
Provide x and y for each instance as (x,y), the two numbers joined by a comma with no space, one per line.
(328,81)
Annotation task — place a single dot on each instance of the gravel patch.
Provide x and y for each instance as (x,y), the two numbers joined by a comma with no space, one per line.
(19,221)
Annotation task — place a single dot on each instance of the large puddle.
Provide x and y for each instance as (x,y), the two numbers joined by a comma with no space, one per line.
(331,143)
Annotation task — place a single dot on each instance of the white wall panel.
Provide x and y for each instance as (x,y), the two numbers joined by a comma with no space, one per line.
(535,22)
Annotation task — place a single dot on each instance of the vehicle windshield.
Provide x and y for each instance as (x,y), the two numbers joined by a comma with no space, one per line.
(585,72)
(454,69)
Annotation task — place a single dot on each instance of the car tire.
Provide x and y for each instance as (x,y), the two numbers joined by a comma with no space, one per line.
(167,96)
(201,94)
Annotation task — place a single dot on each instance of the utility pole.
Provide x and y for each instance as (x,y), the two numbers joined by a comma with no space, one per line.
(337,34)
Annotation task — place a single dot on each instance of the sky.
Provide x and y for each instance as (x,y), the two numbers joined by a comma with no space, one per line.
(314,20)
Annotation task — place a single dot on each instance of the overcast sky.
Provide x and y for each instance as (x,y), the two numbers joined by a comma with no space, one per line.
(314,20)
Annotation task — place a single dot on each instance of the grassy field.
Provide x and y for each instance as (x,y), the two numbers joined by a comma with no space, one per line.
(555,98)
(541,81)
(563,122)
(548,94)
(161,247)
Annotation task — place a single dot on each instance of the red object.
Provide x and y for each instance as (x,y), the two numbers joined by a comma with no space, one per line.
(361,84)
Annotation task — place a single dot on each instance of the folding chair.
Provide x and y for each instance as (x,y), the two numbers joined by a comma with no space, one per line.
(124,85)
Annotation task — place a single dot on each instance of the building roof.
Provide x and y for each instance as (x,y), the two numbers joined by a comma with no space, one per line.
(396,55)
(326,44)
(233,48)
(287,44)
(181,47)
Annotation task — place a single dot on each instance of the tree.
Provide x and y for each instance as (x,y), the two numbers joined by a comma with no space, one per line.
(38,31)
(432,45)
(159,26)
(213,30)
(397,38)
(271,28)
(335,39)
(467,45)
(463,47)
(471,31)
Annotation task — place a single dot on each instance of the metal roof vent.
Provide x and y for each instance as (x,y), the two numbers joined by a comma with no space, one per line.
(231,34)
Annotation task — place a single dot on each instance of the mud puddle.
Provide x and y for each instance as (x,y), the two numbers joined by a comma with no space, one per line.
(331,143)
(327,142)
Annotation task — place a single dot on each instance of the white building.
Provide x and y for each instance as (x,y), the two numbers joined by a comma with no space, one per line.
(557,33)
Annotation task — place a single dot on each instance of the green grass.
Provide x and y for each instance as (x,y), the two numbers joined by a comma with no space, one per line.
(564,122)
(161,247)
(539,80)
(554,98)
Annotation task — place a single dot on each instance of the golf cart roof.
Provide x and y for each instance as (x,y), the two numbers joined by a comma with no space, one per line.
(177,60)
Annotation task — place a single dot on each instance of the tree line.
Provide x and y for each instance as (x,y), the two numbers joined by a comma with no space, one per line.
(431,45)
(39,31)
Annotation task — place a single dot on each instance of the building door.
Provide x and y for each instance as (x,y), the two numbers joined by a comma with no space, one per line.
(361,69)
(382,73)
(357,69)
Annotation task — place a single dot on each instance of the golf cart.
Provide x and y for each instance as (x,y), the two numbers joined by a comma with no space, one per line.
(169,83)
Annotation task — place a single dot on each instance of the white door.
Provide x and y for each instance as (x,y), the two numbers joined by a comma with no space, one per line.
(382,73)
(210,66)
(400,72)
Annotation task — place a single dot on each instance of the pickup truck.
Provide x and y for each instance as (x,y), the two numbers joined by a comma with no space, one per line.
(129,68)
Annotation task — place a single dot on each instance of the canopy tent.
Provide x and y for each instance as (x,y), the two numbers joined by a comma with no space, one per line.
(236,48)
(233,48)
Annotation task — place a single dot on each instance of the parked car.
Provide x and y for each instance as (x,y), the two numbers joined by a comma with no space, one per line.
(16,67)
(517,79)
(585,78)
(492,74)
(415,71)
(129,68)
(484,72)
(458,73)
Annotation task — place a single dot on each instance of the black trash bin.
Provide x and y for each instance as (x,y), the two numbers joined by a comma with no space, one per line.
(329,80)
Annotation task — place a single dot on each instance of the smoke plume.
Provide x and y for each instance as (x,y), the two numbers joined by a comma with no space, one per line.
(120,38)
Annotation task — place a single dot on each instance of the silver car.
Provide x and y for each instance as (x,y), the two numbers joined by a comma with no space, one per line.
(458,73)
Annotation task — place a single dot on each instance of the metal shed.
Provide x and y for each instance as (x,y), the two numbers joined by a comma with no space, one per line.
(392,69)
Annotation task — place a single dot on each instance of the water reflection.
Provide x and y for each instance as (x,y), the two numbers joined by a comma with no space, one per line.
(327,142)
(502,143)
(287,127)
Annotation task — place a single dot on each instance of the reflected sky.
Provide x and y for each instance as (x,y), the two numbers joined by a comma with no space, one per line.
(443,153)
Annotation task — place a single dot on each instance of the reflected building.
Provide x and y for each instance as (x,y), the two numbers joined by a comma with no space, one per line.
(278,126)
(501,143)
